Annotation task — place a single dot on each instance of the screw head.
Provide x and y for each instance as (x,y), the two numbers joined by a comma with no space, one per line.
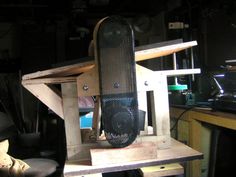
(85,88)
(116,85)
(146,83)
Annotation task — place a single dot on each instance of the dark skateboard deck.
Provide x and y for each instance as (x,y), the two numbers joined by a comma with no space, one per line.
(115,56)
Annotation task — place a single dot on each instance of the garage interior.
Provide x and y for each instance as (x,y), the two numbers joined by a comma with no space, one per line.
(43,35)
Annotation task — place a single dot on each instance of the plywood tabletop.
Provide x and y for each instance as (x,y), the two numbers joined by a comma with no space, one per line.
(149,52)
(177,153)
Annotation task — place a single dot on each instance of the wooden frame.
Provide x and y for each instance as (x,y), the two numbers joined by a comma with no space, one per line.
(82,80)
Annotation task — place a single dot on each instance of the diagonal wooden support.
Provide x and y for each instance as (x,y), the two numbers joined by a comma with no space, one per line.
(48,96)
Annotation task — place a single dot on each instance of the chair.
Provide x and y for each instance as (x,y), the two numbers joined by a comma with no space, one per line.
(39,167)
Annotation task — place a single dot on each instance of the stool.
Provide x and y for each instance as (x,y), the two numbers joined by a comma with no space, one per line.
(162,170)
(40,167)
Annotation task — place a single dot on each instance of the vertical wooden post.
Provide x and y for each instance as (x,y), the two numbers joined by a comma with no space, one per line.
(142,105)
(72,122)
(160,111)
(97,117)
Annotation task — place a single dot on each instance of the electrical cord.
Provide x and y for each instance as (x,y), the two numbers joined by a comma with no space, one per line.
(179,117)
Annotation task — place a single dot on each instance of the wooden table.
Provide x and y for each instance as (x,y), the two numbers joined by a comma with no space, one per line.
(177,153)
(196,117)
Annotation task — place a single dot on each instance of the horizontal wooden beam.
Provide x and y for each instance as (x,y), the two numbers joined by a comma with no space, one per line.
(55,80)
(179,72)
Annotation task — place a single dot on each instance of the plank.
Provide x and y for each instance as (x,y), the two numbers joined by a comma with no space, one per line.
(134,152)
(142,106)
(162,51)
(162,170)
(218,118)
(57,80)
(76,69)
(97,117)
(158,44)
(179,72)
(69,70)
(71,117)
(178,152)
(90,81)
(146,79)
(160,111)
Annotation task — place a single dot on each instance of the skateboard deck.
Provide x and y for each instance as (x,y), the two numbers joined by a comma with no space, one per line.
(117,80)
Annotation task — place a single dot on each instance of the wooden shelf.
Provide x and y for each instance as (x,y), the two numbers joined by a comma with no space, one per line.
(218,118)
(195,118)
(178,152)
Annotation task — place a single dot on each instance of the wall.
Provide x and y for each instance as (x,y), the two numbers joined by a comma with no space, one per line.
(221,43)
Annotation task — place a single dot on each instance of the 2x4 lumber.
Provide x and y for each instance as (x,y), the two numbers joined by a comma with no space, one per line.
(48,96)
(162,170)
(160,111)
(76,69)
(72,122)
(97,117)
(179,72)
(134,152)
(57,80)
(142,106)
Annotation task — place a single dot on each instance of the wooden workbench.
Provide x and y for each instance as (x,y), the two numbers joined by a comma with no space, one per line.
(177,153)
(196,117)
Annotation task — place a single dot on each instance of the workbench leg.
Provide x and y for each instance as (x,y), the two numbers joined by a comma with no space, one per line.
(195,143)
(72,121)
